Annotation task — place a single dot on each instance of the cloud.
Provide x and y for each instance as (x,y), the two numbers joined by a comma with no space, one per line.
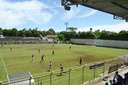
(14,14)
(113,28)
(92,12)
(77,13)
(70,14)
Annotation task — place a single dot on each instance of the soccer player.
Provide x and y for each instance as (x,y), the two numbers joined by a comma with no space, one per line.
(42,58)
(61,69)
(80,61)
(50,65)
(70,47)
(32,57)
(39,51)
(11,49)
(53,52)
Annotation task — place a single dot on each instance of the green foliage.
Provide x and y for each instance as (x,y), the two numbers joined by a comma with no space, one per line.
(0,29)
(72,29)
(97,33)
(5,32)
(123,35)
(112,36)
(51,31)
(61,37)
(87,35)
(71,33)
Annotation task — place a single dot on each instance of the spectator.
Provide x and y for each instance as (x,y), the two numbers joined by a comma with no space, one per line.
(125,80)
(111,82)
(118,83)
(117,77)
(106,83)
(114,83)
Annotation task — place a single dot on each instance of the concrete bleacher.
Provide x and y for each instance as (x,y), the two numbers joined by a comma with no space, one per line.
(109,75)
(25,40)
(100,80)
(20,40)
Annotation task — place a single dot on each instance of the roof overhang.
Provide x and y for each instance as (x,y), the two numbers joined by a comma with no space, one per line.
(118,8)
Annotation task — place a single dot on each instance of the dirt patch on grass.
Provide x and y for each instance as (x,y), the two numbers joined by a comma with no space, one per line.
(88,59)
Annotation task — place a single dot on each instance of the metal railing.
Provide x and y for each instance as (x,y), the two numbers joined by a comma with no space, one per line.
(72,76)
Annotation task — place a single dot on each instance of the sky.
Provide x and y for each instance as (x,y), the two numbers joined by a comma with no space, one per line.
(46,14)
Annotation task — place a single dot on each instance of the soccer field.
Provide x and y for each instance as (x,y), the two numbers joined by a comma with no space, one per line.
(19,59)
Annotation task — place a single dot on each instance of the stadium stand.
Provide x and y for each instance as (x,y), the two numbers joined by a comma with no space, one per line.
(25,40)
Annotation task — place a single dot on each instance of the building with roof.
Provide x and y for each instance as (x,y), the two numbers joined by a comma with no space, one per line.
(1,35)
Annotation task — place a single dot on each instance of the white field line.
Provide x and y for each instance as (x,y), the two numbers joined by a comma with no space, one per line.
(4,65)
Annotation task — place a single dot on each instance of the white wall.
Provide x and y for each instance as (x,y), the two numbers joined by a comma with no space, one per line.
(99,42)
(82,41)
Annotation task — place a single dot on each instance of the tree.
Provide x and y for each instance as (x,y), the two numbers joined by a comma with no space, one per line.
(52,31)
(61,37)
(35,33)
(112,36)
(97,33)
(14,32)
(72,29)
(28,33)
(5,32)
(21,33)
(104,35)
(82,35)
(43,33)
(0,29)
(90,35)
(123,35)
(87,35)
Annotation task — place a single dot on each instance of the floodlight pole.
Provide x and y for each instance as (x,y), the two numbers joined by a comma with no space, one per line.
(66,24)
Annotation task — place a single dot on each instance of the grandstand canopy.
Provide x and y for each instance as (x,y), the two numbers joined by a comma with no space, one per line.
(118,8)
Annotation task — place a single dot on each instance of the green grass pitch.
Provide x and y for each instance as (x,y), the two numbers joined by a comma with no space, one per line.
(19,59)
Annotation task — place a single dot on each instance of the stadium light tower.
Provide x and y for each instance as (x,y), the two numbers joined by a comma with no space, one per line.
(66,24)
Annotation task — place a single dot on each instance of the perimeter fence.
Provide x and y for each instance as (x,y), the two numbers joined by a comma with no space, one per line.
(74,75)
